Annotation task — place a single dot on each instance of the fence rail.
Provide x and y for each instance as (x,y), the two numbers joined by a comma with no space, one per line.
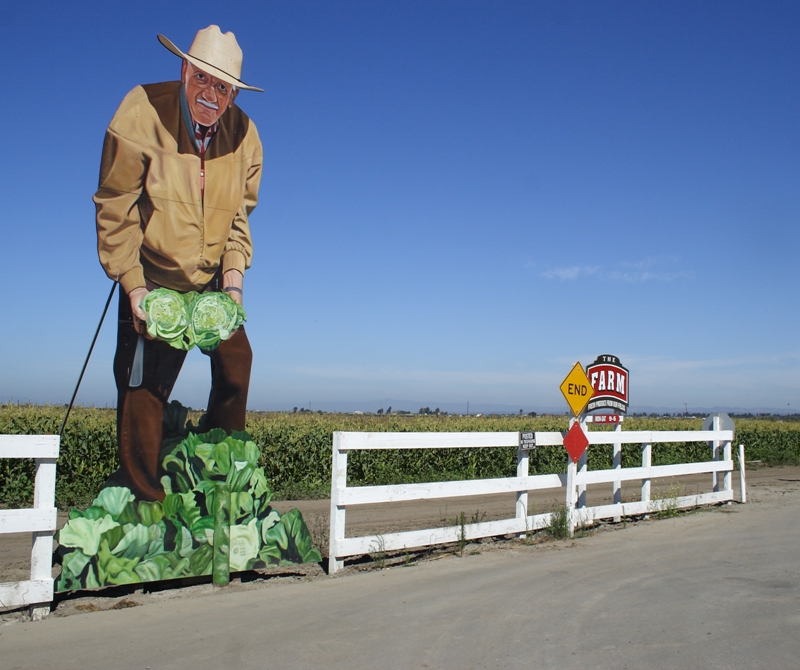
(574,483)
(37,592)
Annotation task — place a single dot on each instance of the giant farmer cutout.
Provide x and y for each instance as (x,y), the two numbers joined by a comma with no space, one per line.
(179,177)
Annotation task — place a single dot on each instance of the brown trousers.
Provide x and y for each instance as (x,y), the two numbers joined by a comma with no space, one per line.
(140,409)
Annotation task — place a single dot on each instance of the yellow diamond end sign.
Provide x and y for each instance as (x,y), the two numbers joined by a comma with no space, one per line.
(577,389)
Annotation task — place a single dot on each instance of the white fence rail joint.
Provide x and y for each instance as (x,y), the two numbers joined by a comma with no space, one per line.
(37,592)
(573,482)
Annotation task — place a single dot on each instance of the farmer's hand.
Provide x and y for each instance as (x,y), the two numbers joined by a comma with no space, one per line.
(139,315)
(233,279)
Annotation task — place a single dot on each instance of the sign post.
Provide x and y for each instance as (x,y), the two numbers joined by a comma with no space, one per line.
(527,441)
(577,390)
(610,383)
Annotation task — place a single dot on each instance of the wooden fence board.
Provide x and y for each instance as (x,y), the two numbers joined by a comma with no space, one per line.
(367,495)
(18,594)
(28,520)
(29,446)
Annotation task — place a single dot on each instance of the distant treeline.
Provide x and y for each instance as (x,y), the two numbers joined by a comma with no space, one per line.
(296,449)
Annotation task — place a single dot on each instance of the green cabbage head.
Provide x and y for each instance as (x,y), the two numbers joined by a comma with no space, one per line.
(168,316)
(214,318)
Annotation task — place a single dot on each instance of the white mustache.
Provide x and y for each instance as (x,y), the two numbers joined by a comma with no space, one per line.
(205,103)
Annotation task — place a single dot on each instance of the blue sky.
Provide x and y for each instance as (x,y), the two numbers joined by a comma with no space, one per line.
(459,201)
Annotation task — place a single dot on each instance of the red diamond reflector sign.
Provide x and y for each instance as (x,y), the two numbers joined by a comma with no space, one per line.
(575,442)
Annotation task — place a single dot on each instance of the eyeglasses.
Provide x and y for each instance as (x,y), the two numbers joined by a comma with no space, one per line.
(203,80)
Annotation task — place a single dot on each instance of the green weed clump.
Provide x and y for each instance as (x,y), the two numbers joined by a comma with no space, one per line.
(378,553)
(559,524)
(462,534)
(665,503)
(296,449)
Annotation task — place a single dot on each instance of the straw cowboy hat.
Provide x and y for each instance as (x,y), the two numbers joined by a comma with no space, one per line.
(216,53)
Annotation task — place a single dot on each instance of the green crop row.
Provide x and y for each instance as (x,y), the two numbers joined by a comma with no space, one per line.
(296,449)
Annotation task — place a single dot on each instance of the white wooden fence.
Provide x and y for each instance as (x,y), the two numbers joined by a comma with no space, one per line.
(37,592)
(574,482)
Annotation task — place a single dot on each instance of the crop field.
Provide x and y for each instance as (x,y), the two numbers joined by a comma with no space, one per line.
(296,449)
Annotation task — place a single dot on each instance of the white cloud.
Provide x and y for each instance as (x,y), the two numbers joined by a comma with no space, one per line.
(648,269)
(635,277)
(571,273)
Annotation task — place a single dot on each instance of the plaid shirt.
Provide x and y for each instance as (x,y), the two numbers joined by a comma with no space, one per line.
(202,137)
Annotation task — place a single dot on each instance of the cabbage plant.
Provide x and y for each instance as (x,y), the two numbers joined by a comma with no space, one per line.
(119,540)
(168,316)
(214,318)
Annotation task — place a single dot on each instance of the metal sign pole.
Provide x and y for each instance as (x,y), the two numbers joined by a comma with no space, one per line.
(86,362)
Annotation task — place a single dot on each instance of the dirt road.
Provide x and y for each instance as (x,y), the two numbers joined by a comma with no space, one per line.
(718,589)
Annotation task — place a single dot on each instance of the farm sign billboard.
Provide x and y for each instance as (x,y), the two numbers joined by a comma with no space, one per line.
(609,379)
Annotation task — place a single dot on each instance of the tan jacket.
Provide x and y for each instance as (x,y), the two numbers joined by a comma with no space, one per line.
(151,219)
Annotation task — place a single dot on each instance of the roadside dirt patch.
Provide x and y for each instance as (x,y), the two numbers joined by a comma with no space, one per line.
(374,519)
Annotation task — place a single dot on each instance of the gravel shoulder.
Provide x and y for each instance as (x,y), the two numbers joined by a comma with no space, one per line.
(717,587)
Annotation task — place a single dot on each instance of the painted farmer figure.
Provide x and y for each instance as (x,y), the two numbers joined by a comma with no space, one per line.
(179,177)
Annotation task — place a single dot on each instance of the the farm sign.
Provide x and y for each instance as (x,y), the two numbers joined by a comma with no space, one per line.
(609,380)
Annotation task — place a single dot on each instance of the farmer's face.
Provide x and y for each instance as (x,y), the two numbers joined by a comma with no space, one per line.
(208,97)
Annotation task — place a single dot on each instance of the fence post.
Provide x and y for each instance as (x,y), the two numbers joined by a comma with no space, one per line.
(715,455)
(742,483)
(571,497)
(582,467)
(647,461)
(523,460)
(726,479)
(44,497)
(617,485)
(338,484)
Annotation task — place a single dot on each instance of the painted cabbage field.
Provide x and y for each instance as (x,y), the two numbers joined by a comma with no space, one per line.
(295,449)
